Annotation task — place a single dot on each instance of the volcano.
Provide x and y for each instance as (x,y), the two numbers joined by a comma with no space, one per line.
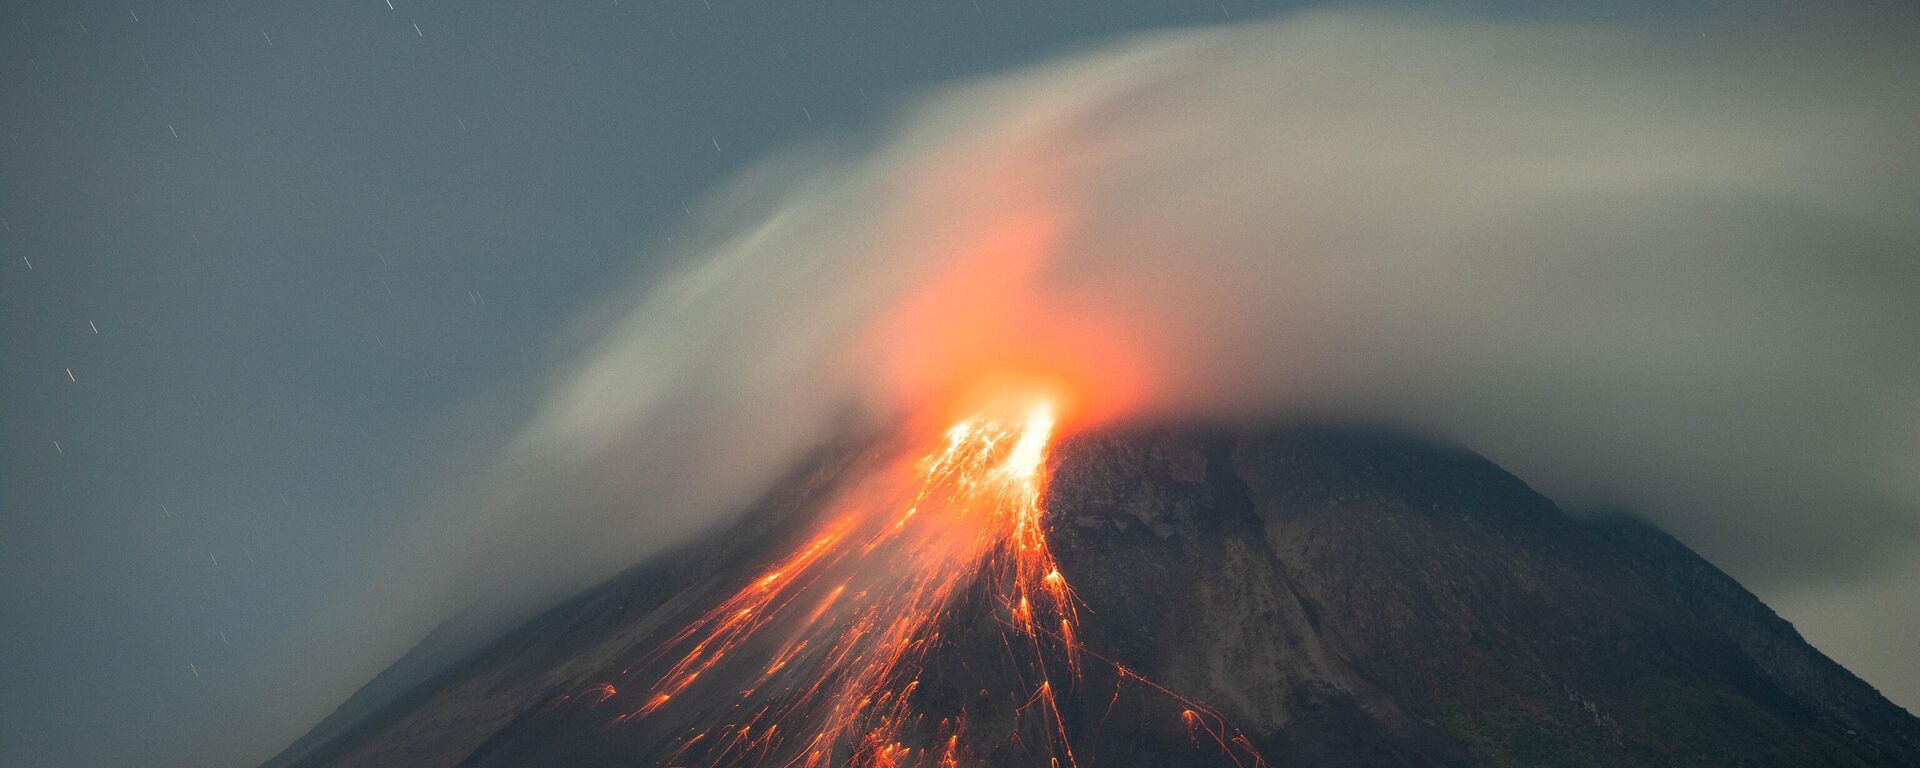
(1286,595)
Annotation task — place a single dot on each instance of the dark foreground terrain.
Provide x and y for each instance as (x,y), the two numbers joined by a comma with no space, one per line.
(1342,597)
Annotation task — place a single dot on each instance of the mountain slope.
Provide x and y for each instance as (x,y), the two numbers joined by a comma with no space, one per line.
(1340,596)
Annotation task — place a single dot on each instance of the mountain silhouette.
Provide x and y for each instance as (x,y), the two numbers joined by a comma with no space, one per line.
(1332,595)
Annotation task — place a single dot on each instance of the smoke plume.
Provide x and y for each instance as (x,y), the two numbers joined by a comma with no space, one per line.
(1670,271)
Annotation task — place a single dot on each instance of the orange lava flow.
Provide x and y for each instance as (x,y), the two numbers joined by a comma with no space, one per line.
(816,661)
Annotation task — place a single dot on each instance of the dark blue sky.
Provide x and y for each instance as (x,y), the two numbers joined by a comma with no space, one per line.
(259,260)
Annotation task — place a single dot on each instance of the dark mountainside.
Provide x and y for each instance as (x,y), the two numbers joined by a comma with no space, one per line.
(1343,597)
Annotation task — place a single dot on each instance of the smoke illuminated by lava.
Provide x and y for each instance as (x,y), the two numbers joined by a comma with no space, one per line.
(1597,273)
(826,647)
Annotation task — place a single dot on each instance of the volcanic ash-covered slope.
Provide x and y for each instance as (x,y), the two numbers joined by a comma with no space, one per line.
(1340,597)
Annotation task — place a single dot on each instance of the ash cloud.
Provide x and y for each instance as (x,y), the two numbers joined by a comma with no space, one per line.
(1667,270)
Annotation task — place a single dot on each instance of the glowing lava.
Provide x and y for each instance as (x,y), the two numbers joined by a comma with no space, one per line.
(817,660)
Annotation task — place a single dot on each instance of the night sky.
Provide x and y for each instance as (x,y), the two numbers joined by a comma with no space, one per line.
(266,268)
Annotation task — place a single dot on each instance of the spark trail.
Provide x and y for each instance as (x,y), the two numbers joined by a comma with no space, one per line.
(817,660)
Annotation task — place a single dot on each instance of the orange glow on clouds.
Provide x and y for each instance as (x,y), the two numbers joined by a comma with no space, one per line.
(986,324)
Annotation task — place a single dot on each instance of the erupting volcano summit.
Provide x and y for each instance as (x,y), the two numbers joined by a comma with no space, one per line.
(826,647)
(1335,596)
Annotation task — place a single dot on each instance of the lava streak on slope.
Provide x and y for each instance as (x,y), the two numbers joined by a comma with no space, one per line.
(817,660)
